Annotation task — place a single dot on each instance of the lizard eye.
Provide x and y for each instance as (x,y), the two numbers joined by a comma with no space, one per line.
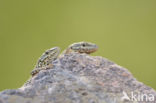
(83,45)
(46,52)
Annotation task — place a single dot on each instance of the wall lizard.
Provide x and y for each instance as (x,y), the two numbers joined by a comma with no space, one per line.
(45,61)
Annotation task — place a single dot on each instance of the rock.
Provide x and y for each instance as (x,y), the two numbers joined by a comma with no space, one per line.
(80,78)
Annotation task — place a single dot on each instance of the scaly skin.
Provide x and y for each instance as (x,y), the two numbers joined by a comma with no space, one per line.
(81,47)
(45,61)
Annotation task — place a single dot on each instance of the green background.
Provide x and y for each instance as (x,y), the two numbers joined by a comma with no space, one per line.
(124,30)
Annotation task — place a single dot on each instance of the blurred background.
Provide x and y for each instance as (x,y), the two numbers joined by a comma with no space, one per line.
(124,30)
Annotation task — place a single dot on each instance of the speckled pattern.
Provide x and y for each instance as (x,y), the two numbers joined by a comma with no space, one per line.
(45,61)
(78,78)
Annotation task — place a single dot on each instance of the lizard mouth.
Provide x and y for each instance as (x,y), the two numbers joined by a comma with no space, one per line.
(92,50)
(89,50)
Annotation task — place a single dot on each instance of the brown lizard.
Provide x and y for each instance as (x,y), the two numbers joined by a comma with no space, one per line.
(81,47)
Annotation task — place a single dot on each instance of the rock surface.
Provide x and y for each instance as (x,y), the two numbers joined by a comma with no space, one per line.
(80,78)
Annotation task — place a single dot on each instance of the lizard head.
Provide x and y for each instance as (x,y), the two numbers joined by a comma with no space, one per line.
(48,56)
(84,47)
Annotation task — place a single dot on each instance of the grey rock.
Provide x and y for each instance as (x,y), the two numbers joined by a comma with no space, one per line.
(80,78)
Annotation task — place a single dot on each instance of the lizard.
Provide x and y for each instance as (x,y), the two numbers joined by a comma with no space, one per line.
(81,47)
(45,61)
